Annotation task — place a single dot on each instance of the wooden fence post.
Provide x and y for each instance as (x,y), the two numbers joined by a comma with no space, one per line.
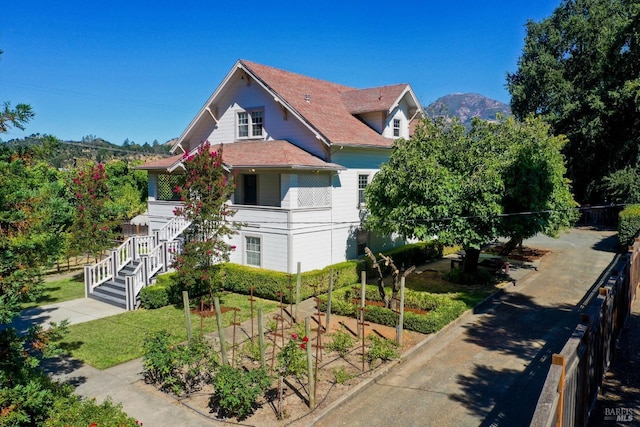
(223,348)
(560,360)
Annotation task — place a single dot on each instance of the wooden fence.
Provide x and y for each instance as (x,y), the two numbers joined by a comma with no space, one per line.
(576,373)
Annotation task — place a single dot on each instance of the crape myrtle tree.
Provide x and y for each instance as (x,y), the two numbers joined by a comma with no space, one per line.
(580,71)
(205,194)
(469,188)
(93,227)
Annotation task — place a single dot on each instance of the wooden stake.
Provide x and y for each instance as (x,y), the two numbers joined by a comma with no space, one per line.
(223,349)
(187,314)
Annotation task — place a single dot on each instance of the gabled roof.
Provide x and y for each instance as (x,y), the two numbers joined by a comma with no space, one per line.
(384,98)
(319,103)
(326,109)
(254,154)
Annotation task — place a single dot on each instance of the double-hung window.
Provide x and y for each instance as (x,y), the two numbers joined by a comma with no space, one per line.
(250,123)
(363,180)
(253,251)
(396,127)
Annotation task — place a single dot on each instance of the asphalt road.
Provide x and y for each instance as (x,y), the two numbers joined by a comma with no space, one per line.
(489,371)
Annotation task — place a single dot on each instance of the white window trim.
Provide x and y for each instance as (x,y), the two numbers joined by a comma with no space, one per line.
(244,249)
(368,175)
(250,134)
(399,128)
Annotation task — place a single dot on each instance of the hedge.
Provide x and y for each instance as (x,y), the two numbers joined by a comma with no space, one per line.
(409,255)
(441,309)
(628,225)
(268,283)
(154,296)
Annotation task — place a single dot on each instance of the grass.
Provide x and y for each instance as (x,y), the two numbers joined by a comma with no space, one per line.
(57,291)
(434,282)
(107,342)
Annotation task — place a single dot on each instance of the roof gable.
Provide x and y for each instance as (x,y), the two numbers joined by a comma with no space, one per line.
(319,103)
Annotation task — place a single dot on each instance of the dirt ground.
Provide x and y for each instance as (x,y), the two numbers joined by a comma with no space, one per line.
(294,404)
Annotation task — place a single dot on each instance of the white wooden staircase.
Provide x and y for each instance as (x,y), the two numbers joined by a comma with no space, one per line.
(119,278)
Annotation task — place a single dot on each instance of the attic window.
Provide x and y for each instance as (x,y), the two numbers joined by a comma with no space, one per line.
(396,127)
(250,123)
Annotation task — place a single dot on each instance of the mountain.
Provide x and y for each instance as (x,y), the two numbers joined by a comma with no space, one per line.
(466,106)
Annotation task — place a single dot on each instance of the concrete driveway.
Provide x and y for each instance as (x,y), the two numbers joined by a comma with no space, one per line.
(489,370)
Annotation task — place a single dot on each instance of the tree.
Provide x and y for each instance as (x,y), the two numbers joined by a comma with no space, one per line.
(468,189)
(580,71)
(93,226)
(537,196)
(441,183)
(205,196)
(34,215)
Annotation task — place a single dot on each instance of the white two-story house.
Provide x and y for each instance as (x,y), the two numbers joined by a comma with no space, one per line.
(302,150)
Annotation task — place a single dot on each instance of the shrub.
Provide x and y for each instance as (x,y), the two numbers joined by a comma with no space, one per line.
(628,225)
(382,349)
(155,296)
(268,283)
(341,375)
(442,309)
(180,369)
(341,343)
(408,255)
(76,411)
(480,277)
(236,391)
(292,359)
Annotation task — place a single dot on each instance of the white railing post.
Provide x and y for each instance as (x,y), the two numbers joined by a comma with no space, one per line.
(134,247)
(165,256)
(114,262)
(87,280)
(145,270)
(129,292)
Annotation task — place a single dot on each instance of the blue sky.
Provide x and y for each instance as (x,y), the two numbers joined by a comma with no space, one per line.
(142,69)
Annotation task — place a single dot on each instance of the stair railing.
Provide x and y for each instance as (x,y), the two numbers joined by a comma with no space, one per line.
(157,253)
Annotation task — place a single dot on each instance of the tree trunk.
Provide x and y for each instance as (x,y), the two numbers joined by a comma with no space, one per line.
(470,264)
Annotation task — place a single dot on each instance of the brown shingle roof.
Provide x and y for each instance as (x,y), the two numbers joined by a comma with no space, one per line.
(320,103)
(372,99)
(271,154)
(255,154)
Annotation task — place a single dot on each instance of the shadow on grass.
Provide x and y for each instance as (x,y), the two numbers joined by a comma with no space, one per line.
(520,336)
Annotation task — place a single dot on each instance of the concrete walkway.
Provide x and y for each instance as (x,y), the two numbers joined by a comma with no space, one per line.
(489,370)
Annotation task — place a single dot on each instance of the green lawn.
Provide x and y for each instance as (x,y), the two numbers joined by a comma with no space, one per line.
(58,291)
(117,339)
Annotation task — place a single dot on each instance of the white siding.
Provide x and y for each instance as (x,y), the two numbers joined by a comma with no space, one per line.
(375,120)
(401,112)
(239,96)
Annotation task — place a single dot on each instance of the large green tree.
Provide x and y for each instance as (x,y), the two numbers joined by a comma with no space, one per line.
(580,70)
(501,179)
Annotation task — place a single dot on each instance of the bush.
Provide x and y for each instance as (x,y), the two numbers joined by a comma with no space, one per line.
(442,309)
(155,296)
(236,391)
(408,255)
(180,369)
(628,225)
(268,283)
(480,277)
(341,343)
(75,411)
(381,348)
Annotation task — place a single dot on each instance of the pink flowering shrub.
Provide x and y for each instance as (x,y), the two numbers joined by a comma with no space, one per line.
(205,194)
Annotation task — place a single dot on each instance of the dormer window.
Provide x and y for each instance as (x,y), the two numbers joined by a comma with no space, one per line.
(396,128)
(250,123)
